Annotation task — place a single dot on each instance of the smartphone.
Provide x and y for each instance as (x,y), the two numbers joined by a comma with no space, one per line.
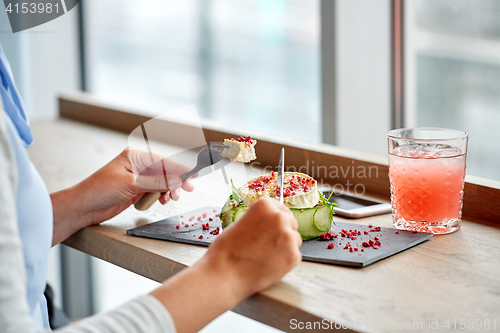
(356,207)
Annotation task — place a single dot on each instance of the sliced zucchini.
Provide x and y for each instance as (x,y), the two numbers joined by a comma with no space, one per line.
(304,217)
(312,221)
(239,212)
(323,218)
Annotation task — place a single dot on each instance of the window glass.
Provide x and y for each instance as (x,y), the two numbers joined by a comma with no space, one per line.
(455,45)
(250,64)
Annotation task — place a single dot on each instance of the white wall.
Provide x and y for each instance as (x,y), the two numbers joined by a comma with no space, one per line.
(363,74)
(44,60)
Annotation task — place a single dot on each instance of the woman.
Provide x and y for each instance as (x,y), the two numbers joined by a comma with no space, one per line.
(251,255)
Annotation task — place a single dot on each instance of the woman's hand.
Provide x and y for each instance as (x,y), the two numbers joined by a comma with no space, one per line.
(113,188)
(260,248)
(250,255)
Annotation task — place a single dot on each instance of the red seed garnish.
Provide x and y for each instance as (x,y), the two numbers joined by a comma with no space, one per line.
(205,226)
(201,237)
(370,225)
(330,246)
(376,238)
(325,236)
(210,219)
(204,214)
(351,249)
(178,226)
(397,232)
(375,247)
(414,232)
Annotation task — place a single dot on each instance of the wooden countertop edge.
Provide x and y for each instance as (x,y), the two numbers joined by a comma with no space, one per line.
(481,196)
(156,267)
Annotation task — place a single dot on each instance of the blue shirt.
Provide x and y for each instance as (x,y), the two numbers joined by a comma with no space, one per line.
(33,204)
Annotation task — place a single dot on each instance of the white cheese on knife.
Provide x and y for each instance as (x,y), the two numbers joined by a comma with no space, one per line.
(241,150)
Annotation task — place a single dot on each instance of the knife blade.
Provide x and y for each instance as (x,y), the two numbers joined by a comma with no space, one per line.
(281,167)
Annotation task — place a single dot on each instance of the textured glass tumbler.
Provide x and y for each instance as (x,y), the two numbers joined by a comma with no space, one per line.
(427,174)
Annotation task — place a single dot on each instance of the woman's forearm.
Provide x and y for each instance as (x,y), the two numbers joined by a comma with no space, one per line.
(199,294)
(69,214)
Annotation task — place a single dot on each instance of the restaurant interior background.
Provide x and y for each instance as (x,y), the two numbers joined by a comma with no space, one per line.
(305,70)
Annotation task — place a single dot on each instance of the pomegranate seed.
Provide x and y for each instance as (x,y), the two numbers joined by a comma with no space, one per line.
(178,226)
(366,232)
(201,237)
(375,247)
(414,232)
(362,249)
(397,232)
(330,246)
(365,244)
(355,249)
(204,214)
(353,237)
(376,238)
(370,225)
(351,249)
(210,219)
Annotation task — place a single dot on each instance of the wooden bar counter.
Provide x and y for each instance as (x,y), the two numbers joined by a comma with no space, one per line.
(444,280)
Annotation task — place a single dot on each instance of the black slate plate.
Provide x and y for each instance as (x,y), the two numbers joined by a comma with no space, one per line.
(312,250)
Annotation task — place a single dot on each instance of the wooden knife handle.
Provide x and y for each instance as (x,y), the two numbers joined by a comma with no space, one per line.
(146,201)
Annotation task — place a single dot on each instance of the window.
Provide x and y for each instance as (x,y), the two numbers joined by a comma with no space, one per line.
(453,68)
(249,64)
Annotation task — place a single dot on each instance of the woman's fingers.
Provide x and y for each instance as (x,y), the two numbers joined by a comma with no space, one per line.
(187,186)
(164,198)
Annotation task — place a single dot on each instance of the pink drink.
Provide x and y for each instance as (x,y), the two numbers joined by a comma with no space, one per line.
(427,183)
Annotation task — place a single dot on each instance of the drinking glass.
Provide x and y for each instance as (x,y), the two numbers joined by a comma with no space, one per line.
(427,174)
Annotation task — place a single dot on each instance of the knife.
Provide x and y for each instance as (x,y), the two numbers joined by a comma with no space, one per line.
(281,166)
